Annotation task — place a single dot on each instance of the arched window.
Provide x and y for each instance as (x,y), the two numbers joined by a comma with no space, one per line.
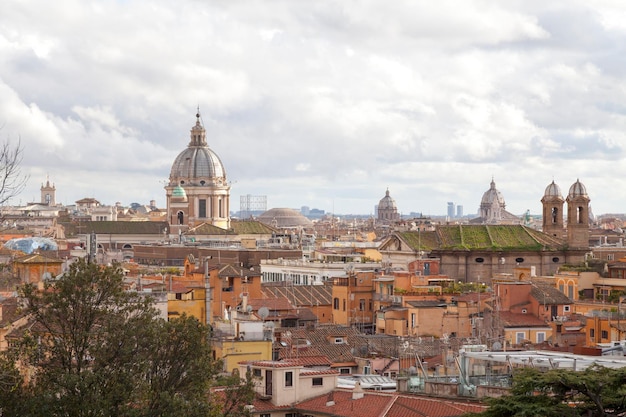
(181,217)
(579,214)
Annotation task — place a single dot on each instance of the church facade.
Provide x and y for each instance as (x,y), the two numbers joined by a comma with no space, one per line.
(198,191)
(478,251)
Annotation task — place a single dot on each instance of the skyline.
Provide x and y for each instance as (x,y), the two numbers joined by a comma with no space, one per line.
(320,104)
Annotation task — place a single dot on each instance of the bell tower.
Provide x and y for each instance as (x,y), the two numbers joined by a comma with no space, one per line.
(578,216)
(48,194)
(553,211)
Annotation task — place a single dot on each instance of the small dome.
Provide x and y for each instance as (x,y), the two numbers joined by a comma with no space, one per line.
(553,190)
(577,190)
(198,164)
(387,202)
(179,194)
(284,217)
(492,195)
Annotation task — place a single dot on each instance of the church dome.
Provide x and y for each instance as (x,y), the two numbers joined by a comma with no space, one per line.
(553,190)
(284,217)
(491,196)
(198,164)
(387,202)
(577,190)
(179,194)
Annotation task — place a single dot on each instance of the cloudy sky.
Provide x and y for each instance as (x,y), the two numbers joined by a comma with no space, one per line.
(323,104)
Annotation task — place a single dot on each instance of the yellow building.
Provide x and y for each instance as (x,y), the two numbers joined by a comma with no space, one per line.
(234,351)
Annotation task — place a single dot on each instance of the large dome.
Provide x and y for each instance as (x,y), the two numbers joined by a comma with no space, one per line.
(492,195)
(198,164)
(284,217)
(386,202)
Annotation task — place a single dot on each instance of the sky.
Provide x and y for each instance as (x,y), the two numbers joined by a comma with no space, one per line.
(325,104)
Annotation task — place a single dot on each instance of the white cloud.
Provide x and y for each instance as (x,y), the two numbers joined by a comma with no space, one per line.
(428,99)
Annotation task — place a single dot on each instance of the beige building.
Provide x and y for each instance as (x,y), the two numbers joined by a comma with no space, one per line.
(198,191)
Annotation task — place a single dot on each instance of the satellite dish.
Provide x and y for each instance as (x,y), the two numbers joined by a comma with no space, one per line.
(249,309)
(46,276)
(496,346)
(412,370)
(270,324)
(263,312)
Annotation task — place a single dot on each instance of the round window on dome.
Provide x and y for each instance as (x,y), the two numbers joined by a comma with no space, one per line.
(555,259)
(480,260)
(519,260)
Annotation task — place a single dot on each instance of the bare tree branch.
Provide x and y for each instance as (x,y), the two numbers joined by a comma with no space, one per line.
(12,182)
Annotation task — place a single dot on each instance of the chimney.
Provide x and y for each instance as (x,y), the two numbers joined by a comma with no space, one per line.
(330,401)
(357,393)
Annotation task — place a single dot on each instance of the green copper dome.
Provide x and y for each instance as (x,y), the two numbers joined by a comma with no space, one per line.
(179,193)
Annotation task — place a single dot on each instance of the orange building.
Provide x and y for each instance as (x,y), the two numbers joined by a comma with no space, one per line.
(35,268)
(352,300)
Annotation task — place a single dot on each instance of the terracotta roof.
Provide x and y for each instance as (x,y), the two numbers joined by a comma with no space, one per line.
(547,294)
(36,258)
(386,405)
(301,295)
(509,319)
(345,406)
(412,406)
(320,372)
(275,304)
(208,229)
(230,270)
(322,341)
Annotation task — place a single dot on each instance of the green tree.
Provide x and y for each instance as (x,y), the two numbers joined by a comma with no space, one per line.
(95,349)
(594,392)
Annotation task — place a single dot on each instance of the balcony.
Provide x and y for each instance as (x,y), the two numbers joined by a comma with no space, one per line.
(382,297)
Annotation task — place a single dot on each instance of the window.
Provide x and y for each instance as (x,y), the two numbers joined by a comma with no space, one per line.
(318,382)
(480,260)
(605,334)
(592,333)
(519,260)
(344,371)
(555,259)
(566,309)
(344,304)
(362,304)
(256,372)
(338,340)
(524,311)
(570,291)
(367,370)
(265,415)
(519,337)
(289,379)
(541,337)
(336,303)
(202,207)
